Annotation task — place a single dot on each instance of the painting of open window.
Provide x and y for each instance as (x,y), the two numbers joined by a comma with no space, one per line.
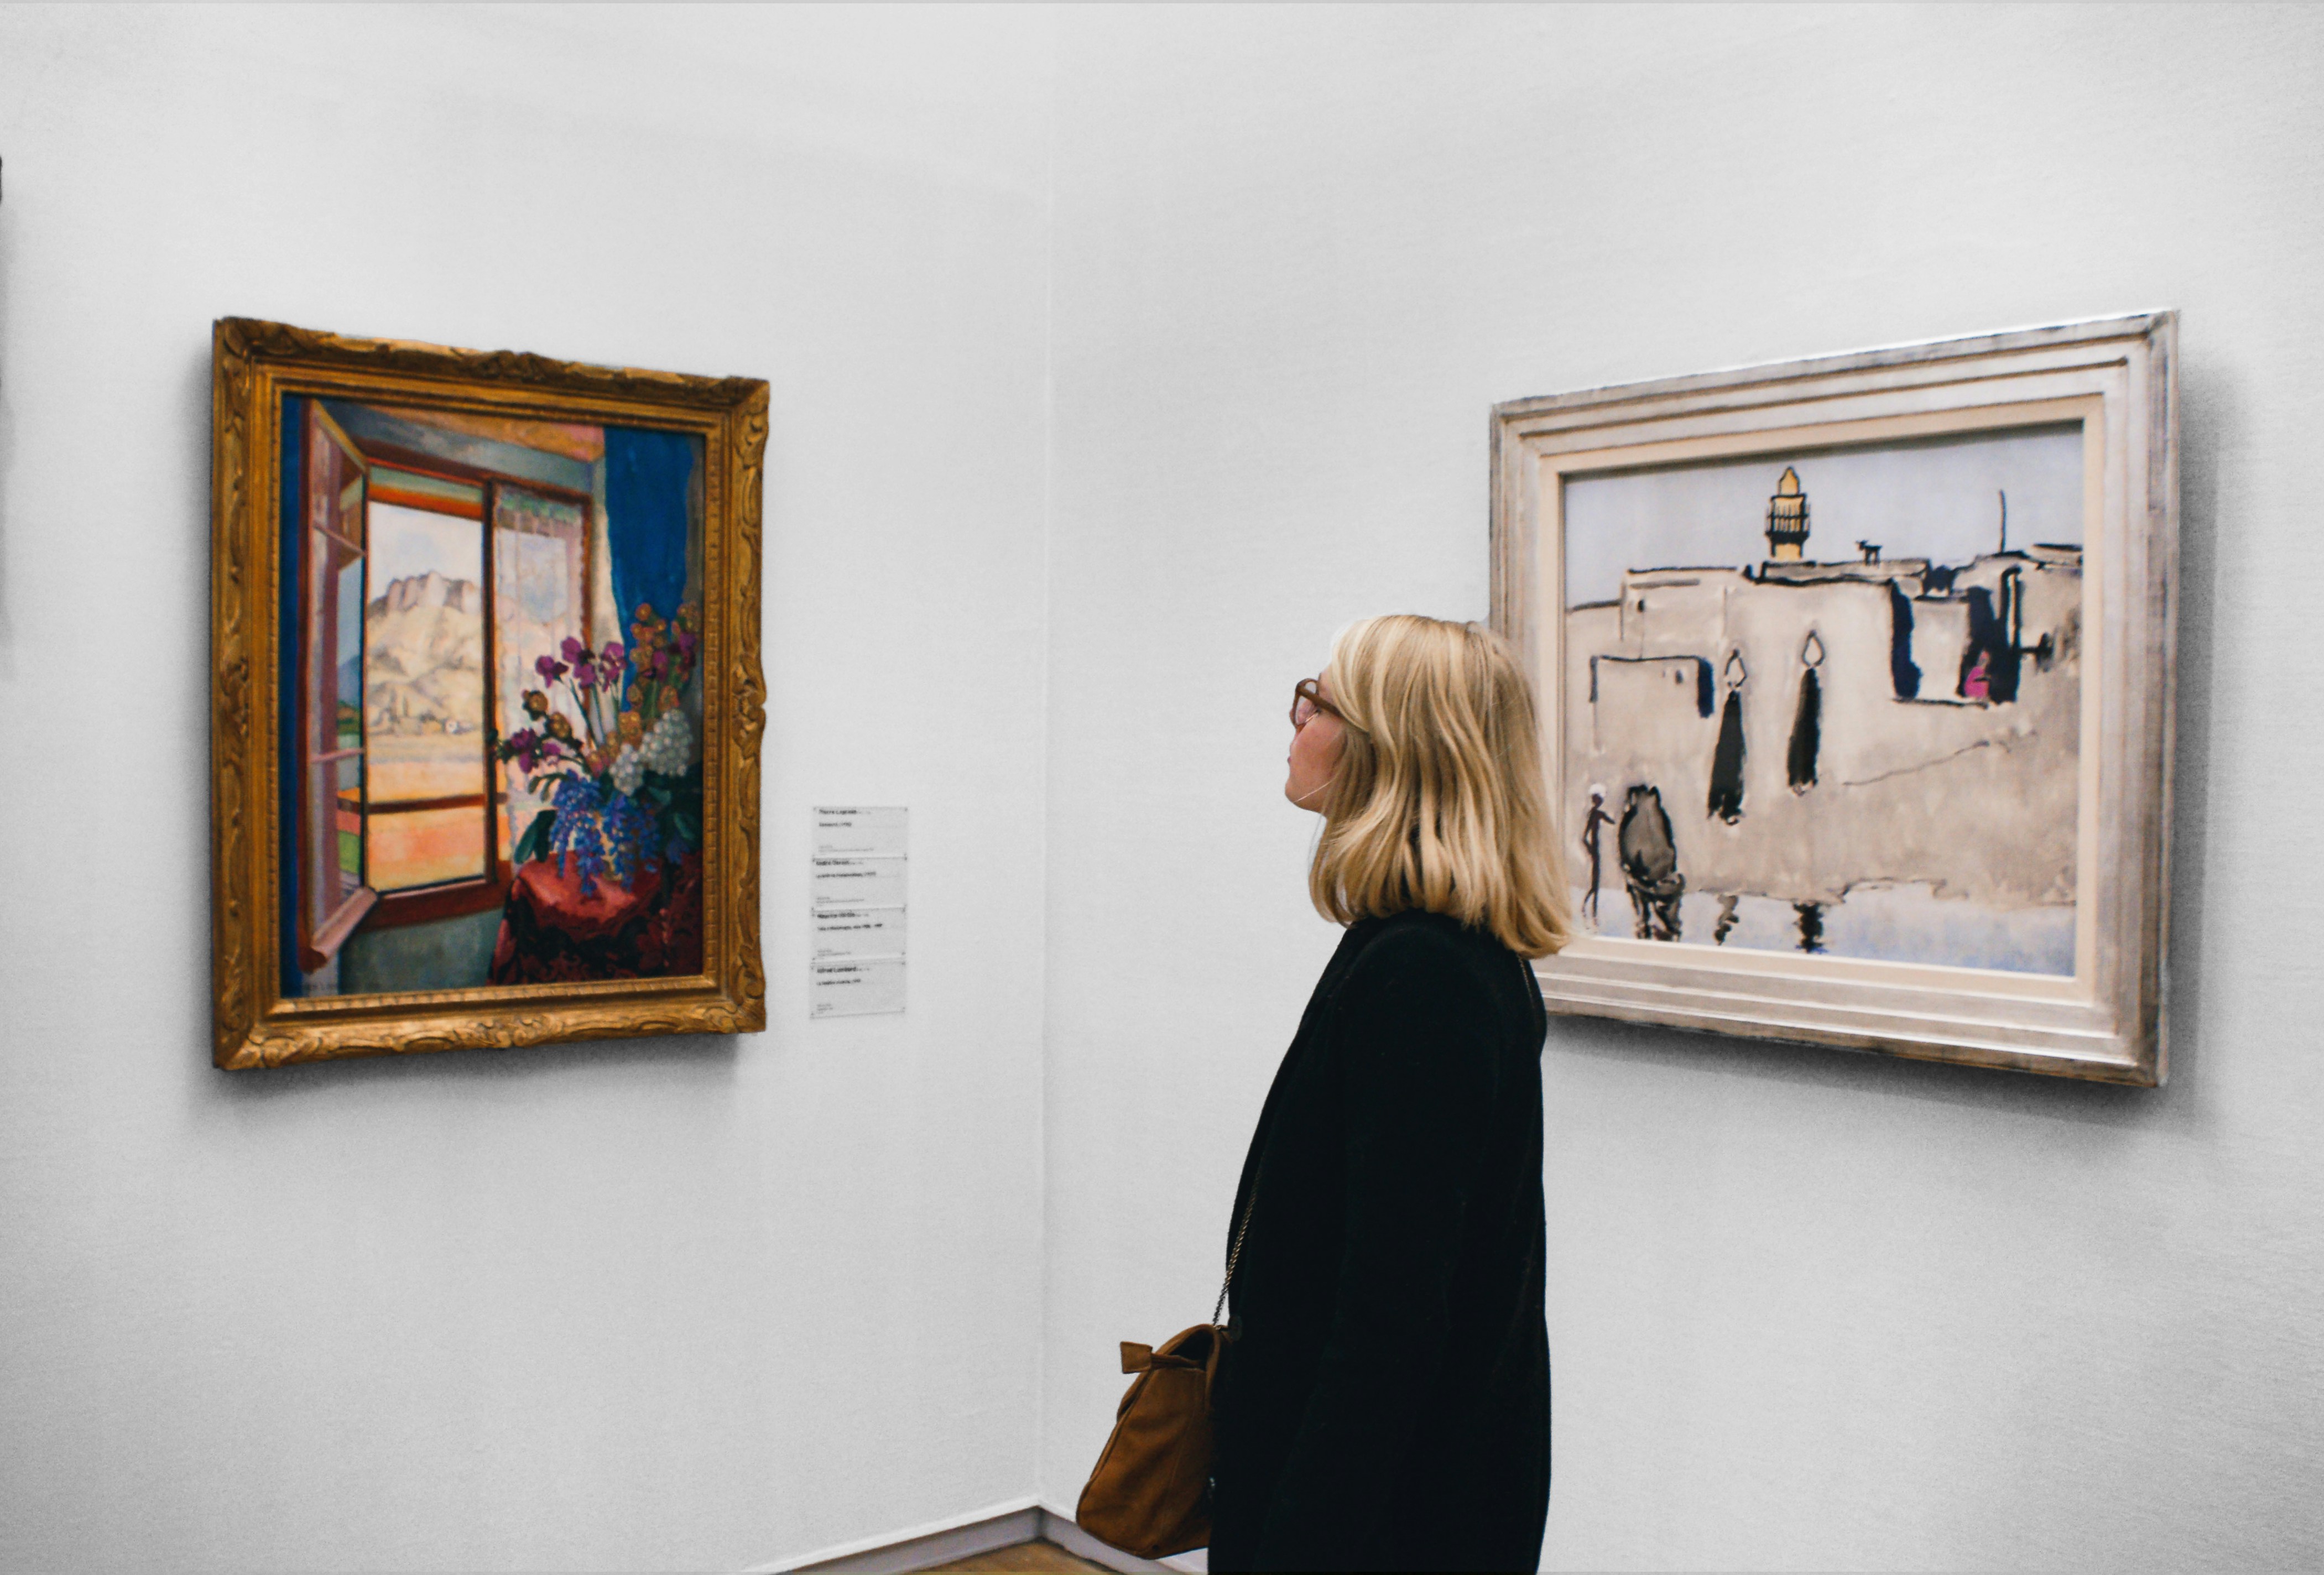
(1827,650)
(503,772)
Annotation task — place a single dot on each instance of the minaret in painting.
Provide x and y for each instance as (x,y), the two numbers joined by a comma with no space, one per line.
(1787,519)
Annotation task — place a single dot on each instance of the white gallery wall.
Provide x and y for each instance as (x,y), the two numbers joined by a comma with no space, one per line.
(660,1305)
(1807,1310)
(1118,356)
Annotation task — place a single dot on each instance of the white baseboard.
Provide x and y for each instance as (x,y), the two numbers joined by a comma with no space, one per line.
(980,1531)
(1060,1528)
(921,1547)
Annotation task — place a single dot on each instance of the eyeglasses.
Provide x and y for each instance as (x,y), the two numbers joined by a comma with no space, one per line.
(1306,699)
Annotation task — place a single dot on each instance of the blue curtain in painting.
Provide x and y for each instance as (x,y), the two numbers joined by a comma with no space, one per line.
(649,479)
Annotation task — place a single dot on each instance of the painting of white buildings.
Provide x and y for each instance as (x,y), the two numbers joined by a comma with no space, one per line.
(1831,702)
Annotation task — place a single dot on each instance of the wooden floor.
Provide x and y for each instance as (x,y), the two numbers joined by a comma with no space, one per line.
(1042,1556)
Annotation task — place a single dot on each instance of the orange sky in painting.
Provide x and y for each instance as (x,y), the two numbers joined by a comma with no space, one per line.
(584,443)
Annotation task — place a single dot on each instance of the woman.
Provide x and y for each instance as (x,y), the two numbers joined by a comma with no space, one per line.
(1385,1404)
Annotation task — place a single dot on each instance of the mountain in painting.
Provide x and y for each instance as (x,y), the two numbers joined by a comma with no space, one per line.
(424,657)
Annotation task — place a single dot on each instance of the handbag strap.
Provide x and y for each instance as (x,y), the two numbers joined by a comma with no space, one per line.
(1236,1252)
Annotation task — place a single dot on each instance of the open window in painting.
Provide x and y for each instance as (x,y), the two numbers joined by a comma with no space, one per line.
(540,575)
(425,635)
(334,896)
(442,555)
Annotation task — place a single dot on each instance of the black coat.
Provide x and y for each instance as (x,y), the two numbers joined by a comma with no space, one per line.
(1385,1402)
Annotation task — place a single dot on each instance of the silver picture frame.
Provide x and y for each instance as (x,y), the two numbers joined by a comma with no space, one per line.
(2101,1017)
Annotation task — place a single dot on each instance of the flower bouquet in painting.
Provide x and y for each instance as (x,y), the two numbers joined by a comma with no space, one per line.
(608,881)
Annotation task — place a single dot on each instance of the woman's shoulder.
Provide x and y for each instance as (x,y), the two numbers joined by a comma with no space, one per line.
(1416,945)
(1423,987)
(1416,931)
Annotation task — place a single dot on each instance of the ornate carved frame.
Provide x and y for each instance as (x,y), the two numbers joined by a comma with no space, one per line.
(2119,376)
(255,364)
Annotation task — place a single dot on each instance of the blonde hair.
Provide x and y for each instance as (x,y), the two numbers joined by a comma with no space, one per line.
(1438,803)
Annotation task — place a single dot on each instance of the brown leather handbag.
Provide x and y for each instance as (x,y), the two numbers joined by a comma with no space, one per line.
(1149,1493)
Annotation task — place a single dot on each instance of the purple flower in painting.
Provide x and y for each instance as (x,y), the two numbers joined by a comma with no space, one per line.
(549,668)
(573,651)
(612,656)
(583,674)
(522,744)
(686,643)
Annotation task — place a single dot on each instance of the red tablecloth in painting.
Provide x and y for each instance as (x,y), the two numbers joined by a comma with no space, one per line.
(550,932)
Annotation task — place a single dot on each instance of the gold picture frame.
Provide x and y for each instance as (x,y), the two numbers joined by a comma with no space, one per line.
(267,1009)
(1910,795)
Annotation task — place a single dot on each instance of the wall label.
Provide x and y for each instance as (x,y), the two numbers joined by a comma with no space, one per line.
(856,886)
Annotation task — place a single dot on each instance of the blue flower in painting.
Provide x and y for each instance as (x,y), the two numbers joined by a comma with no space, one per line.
(600,830)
